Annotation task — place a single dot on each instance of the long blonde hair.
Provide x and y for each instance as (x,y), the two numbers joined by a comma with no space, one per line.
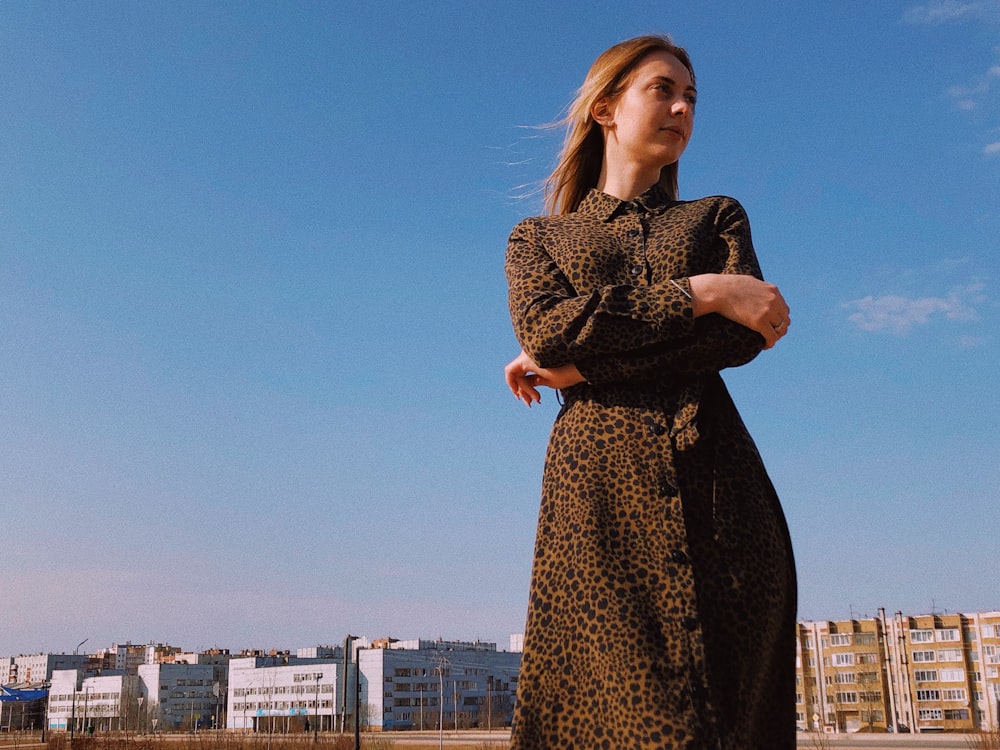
(579,165)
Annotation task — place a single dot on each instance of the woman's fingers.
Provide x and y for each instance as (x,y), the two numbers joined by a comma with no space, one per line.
(521,379)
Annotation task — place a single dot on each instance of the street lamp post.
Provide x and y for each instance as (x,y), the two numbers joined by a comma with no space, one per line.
(316,713)
(440,705)
(72,710)
(86,705)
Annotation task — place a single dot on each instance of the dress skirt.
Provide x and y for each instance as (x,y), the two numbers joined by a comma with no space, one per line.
(662,602)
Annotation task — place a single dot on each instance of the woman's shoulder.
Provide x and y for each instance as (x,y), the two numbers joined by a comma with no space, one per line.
(721,209)
(713,203)
(552,224)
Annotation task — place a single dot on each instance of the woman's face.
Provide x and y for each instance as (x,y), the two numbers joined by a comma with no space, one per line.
(651,120)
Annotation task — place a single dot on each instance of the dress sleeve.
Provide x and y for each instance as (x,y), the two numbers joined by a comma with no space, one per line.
(715,343)
(556,326)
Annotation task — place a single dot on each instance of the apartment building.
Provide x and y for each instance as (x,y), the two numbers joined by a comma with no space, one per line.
(36,669)
(925,673)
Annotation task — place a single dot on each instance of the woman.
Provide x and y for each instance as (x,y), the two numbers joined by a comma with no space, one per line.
(662,604)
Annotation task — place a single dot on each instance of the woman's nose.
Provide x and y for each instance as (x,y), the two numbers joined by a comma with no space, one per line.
(681,108)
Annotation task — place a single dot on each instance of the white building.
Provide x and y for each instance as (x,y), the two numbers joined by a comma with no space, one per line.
(102,702)
(287,694)
(181,696)
(420,684)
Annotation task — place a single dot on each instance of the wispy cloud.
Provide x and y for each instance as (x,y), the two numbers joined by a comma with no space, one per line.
(948,11)
(969,97)
(992,149)
(898,315)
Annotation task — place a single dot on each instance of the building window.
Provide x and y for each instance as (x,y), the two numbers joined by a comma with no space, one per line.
(847,696)
(949,654)
(929,714)
(928,695)
(923,656)
(947,634)
(952,675)
(843,660)
(840,639)
(954,694)
(925,675)
(921,636)
(956,714)
(844,678)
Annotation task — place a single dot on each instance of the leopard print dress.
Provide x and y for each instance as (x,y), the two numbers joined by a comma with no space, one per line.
(662,604)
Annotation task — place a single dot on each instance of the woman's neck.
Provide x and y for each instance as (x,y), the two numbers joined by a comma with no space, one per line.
(626,182)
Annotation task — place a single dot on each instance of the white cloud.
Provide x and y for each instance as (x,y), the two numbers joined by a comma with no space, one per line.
(946,11)
(972,342)
(992,149)
(898,315)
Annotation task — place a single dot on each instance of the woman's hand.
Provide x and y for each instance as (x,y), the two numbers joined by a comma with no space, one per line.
(743,299)
(523,377)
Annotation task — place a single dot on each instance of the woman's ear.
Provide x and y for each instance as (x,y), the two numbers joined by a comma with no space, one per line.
(602,112)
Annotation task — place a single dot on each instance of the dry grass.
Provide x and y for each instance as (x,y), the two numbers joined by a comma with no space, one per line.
(232,741)
(819,741)
(988,740)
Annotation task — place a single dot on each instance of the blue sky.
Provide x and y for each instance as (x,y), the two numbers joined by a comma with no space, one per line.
(253,314)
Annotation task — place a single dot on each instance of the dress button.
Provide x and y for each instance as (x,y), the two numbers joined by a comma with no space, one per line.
(657,429)
(636,270)
(679,557)
(667,489)
(689,623)
(633,233)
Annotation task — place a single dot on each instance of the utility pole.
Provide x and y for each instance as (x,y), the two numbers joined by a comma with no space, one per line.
(343,683)
(357,702)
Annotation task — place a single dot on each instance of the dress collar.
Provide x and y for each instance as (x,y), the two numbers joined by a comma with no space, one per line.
(606,207)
